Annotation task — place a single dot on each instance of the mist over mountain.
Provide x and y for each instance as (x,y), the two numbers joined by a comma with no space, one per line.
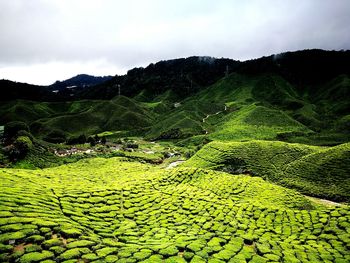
(305,69)
(79,81)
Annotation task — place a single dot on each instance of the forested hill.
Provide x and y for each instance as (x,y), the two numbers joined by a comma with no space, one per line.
(58,91)
(79,81)
(303,94)
(306,70)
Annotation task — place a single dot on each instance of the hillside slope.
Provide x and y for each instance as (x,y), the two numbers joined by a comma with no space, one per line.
(317,171)
(275,98)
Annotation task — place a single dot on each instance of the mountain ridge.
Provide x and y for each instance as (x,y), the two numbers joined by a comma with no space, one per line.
(306,69)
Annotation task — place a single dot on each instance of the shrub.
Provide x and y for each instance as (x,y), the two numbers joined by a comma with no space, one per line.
(56,136)
(11,128)
(131,145)
(174,133)
(77,140)
(19,148)
(91,140)
(23,143)
(25,133)
(36,256)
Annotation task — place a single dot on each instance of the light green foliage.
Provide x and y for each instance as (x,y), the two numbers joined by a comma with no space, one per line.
(36,256)
(169,251)
(108,210)
(52,242)
(256,122)
(80,243)
(70,254)
(296,165)
(142,255)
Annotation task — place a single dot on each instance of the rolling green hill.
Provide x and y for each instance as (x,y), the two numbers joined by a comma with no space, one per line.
(317,171)
(258,143)
(236,107)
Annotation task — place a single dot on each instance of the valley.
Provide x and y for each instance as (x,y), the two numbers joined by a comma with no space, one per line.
(194,160)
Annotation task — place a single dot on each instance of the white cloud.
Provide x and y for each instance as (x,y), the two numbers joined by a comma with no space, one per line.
(47,73)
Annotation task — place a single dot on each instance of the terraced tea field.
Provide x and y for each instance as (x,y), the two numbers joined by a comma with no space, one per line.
(313,170)
(117,210)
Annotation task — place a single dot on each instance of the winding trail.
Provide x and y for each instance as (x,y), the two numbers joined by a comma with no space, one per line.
(174,164)
(323,201)
(216,113)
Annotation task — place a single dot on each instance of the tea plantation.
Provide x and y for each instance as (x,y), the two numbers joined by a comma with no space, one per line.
(186,160)
(117,210)
(313,170)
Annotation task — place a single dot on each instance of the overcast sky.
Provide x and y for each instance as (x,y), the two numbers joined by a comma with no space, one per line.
(46,40)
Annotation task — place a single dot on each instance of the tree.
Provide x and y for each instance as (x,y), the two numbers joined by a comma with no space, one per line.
(56,136)
(77,140)
(92,141)
(82,139)
(11,128)
(19,149)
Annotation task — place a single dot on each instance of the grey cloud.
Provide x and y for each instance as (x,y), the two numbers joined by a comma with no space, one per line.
(137,32)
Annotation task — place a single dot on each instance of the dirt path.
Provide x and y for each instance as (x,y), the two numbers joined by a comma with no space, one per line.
(323,201)
(206,117)
(216,113)
(174,164)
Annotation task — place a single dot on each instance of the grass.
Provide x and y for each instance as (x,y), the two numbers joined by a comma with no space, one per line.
(117,209)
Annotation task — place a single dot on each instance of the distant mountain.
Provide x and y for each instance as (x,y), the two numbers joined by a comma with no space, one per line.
(184,76)
(306,69)
(81,80)
(59,91)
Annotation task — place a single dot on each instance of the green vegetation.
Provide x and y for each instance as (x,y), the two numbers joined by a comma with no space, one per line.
(187,165)
(294,165)
(114,209)
(237,107)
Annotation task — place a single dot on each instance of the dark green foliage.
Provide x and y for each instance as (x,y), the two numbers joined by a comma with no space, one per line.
(26,134)
(13,127)
(55,136)
(91,140)
(170,134)
(19,149)
(81,139)
(183,76)
(23,144)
